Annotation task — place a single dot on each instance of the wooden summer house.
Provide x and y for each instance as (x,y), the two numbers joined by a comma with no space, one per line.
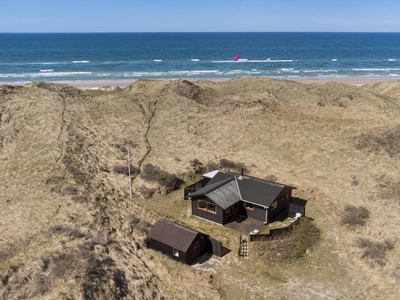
(222,196)
(181,243)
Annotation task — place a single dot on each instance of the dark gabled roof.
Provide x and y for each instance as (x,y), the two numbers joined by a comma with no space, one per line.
(173,235)
(223,193)
(259,191)
(248,189)
(210,187)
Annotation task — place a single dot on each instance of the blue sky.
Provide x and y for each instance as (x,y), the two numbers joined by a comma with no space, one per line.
(199,15)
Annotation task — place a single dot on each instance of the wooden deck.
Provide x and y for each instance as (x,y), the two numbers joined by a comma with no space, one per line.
(246,225)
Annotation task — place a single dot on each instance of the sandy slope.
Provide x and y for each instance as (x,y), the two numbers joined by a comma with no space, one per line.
(68,229)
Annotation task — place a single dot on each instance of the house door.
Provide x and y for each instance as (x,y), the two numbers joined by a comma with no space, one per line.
(197,249)
(235,209)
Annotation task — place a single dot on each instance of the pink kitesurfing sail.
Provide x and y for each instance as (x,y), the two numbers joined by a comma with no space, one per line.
(237,56)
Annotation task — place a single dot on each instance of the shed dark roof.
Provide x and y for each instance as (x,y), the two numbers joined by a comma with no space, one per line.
(173,235)
(248,189)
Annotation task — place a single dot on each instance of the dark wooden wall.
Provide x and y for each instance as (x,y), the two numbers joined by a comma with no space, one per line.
(258,213)
(218,217)
(214,247)
(156,245)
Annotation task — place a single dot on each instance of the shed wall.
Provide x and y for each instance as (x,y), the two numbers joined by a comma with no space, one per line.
(156,245)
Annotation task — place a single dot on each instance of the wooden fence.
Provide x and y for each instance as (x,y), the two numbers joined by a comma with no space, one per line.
(273,233)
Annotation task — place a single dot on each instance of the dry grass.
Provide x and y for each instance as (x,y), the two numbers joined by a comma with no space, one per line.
(57,143)
(289,245)
(387,140)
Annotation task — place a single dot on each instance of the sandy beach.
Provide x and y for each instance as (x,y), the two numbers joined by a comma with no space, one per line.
(85,85)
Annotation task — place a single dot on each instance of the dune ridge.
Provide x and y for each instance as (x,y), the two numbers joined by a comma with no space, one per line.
(68,229)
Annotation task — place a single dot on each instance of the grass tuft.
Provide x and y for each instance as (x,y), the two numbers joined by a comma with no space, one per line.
(354,216)
(375,251)
(387,140)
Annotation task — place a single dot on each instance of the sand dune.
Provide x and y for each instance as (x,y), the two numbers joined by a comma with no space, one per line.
(68,228)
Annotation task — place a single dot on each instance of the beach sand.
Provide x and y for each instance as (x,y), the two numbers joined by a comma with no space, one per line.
(85,85)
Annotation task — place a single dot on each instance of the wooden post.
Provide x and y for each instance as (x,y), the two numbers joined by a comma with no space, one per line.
(129,172)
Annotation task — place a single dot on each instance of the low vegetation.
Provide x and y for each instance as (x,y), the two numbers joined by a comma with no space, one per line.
(387,140)
(290,244)
(125,170)
(167,181)
(354,215)
(375,252)
(58,143)
(234,166)
(146,191)
(72,232)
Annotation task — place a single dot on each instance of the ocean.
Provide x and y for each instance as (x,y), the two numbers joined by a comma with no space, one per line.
(130,56)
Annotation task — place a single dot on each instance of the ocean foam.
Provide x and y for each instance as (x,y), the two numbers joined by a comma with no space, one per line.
(391,59)
(48,70)
(43,74)
(279,60)
(376,69)
(80,61)
(319,71)
(194,59)
(157,60)
(245,60)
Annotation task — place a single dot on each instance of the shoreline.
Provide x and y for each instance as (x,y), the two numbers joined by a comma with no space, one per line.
(97,84)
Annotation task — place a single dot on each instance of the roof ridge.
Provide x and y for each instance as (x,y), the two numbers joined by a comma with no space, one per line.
(214,186)
(238,188)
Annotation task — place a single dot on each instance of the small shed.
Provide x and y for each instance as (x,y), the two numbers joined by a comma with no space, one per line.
(179,242)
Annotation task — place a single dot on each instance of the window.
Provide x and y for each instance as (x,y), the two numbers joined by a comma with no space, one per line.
(249,206)
(207,206)
(202,204)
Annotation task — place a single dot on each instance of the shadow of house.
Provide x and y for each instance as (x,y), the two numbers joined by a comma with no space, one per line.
(223,196)
(297,205)
(182,243)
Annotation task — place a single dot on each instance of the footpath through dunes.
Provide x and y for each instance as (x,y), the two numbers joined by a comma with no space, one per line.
(69,230)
